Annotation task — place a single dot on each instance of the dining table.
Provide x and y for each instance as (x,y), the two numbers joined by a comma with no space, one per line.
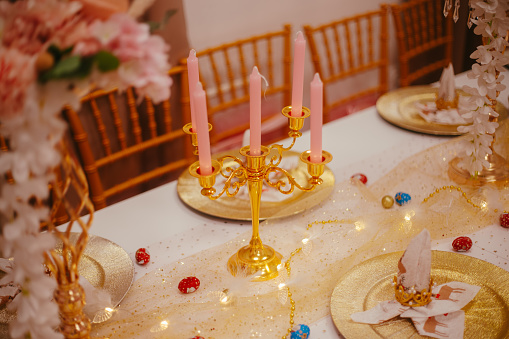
(363,142)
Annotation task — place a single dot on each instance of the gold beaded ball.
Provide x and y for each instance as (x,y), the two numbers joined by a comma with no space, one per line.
(387,201)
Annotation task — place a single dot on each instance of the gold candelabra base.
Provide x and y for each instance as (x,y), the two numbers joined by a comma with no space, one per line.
(497,173)
(261,261)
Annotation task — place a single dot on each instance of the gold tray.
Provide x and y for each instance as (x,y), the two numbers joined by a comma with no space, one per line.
(367,284)
(104,264)
(236,208)
(398,108)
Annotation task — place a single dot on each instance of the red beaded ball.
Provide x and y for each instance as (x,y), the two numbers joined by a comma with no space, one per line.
(361,177)
(504,220)
(462,244)
(197,337)
(189,285)
(142,256)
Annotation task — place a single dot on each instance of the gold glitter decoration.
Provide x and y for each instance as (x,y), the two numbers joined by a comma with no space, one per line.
(387,201)
(372,281)
(452,188)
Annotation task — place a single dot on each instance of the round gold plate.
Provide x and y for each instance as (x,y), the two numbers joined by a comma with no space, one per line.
(398,108)
(236,208)
(367,284)
(104,264)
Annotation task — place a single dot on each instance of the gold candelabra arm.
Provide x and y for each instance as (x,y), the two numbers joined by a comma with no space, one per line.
(226,171)
(239,173)
(281,184)
(207,182)
(275,160)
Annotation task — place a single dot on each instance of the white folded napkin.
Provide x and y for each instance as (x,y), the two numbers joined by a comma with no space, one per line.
(447,88)
(429,112)
(442,317)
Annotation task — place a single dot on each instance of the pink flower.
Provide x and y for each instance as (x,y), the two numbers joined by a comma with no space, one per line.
(144,59)
(30,26)
(17,74)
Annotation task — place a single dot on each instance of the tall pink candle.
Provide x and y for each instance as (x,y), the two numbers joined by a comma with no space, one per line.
(202,130)
(255,112)
(316,119)
(298,75)
(193,76)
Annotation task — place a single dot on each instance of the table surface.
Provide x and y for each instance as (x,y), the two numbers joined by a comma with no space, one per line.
(159,221)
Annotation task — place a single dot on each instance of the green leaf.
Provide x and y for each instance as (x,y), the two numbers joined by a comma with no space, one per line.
(85,67)
(66,67)
(106,61)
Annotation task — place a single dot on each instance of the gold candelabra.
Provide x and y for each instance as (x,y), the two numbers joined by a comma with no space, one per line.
(256,258)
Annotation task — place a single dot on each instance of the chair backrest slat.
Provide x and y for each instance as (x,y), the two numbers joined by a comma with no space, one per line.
(360,43)
(167,115)
(349,46)
(134,116)
(370,40)
(117,121)
(243,70)
(101,128)
(326,45)
(152,125)
(438,13)
(217,78)
(270,62)
(339,52)
(424,22)
(415,20)
(231,77)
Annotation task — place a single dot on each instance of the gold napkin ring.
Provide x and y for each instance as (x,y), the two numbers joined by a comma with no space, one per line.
(415,299)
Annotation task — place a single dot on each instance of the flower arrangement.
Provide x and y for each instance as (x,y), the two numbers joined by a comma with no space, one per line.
(51,53)
(492,23)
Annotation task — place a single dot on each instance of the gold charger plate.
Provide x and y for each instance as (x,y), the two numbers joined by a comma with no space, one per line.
(370,282)
(239,208)
(398,108)
(104,264)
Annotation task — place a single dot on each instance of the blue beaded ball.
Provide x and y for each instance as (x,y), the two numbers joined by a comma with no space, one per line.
(402,198)
(300,332)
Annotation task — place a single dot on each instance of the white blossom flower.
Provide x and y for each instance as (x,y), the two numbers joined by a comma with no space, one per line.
(492,23)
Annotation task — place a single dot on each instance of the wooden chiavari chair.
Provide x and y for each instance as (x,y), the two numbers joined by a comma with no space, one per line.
(425,39)
(131,148)
(351,56)
(224,73)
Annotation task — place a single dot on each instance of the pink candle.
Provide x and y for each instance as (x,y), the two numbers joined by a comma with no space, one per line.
(316,119)
(255,112)
(193,76)
(202,130)
(298,75)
